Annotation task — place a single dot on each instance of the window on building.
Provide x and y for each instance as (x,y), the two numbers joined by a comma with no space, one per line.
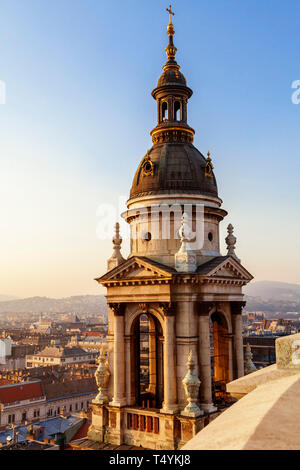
(164,110)
(177,111)
(70,407)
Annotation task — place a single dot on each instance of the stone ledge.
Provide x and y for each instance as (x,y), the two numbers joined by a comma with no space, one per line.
(287,364)
(265,419)
(244,385)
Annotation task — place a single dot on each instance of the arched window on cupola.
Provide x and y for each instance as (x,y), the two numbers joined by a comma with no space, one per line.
(177,111)
(164,111)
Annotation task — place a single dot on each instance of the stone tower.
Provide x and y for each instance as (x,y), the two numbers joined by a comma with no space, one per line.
(175,296)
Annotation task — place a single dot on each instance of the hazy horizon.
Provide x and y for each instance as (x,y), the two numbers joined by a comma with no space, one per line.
(103,291)
(79,110)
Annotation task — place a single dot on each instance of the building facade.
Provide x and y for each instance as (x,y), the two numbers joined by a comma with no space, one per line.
(177,279)
(57,355)
(32,401)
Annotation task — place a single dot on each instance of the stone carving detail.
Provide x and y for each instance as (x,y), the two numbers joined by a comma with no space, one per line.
(168,308)
(230,242)
(191,385)
(144,308)
(102,376)
(116,257)
(237,307)
(249,366)
(118,309)
(185,258)
(288,352)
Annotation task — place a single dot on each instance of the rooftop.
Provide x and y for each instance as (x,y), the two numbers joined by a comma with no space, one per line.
(46,429)
(21,392)
(54,351)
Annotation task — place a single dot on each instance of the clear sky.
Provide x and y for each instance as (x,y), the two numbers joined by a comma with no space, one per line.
(78,112)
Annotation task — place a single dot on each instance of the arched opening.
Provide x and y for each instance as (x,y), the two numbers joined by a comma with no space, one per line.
(219,338)
(164,111)
(177,112)
(147,361)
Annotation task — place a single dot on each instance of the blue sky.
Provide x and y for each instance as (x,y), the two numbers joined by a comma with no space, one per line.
(79,76)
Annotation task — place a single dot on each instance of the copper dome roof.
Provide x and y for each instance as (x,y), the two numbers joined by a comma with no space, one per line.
(177,168)
(171,77)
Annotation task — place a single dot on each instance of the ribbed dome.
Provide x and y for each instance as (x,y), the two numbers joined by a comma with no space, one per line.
(177,167)
(171,77)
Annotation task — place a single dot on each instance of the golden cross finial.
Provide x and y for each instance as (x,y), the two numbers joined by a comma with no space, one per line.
(169,10)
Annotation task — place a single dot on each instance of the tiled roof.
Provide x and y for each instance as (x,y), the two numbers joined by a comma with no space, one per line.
(62,352)
(164,267)
(70,387)
(207,267)
(20,392)
(82,431)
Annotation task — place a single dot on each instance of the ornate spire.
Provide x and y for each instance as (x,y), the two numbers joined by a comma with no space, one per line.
(172,95)
(230,242)
(116,257)
(171,49)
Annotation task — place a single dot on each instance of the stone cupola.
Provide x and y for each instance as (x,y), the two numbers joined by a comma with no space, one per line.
(173,174)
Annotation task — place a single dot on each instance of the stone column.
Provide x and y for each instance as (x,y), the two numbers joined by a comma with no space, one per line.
(170,405)
(119,356)
(237,326)
(206,403)
(129,388)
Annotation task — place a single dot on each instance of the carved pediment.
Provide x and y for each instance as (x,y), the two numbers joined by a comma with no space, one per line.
(225,267)
(231,269)
(137,268)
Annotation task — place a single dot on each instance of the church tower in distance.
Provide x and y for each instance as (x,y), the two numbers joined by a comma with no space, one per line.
(175,305)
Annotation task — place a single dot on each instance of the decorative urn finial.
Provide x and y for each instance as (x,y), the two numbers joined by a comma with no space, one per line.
(230,242)
(116,257)
(249,366)
(191,385)
(185,258)
(102,376)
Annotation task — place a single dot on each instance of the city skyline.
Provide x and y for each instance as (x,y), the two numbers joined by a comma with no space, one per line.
(72,118)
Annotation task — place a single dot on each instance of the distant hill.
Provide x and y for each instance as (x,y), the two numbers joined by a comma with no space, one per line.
(271,296)
(78,304)
(4,298)
(265,296)
(274,290)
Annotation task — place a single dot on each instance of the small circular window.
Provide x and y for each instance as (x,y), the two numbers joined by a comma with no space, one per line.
(210,237)
(147,237)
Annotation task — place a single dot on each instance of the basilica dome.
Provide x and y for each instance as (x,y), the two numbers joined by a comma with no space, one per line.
(170,168)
